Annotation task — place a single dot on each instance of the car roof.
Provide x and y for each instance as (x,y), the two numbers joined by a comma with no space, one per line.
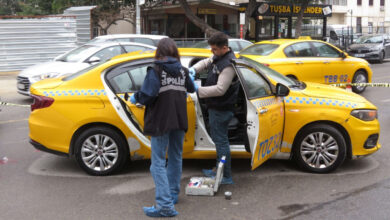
(113,43)
(286,41)
(113,36)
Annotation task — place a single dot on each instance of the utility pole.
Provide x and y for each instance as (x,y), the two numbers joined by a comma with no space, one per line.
(138,18)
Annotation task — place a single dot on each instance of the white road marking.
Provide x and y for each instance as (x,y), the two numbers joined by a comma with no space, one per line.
(12,121)
(386,100)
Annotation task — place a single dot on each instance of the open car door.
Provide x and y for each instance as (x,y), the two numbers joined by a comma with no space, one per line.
(128,78)
(265,113)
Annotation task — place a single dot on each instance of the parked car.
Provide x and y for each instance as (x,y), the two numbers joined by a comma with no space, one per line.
(137,38)
(311,60)
(88,115)
(236,44)
(73,61)
(371,47)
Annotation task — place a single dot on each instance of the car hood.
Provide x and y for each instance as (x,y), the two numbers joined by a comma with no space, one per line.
(362,46)
(316,90)
(53,67)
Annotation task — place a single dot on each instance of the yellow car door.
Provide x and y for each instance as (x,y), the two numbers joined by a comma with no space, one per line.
(304,65)
(265,114)
(335,68)
(127,79)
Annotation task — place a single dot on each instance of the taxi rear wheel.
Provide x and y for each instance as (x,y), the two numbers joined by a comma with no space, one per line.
(101,151)
(359,77)
(319,148)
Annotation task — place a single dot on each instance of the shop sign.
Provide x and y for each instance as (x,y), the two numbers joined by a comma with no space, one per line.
(271,9)
(207,11)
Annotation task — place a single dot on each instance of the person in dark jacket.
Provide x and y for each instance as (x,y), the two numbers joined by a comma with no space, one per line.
(220,93)
(164,93)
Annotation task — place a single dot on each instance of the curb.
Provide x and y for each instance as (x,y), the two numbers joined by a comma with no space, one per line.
(10,73)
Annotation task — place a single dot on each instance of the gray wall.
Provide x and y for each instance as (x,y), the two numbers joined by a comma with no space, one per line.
(24,42)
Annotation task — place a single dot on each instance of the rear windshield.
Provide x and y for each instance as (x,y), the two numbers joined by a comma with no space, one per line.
(260,49)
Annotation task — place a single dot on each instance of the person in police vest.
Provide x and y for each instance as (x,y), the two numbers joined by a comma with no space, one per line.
(220,94)
(164,93)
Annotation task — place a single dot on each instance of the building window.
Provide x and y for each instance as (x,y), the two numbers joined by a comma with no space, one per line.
(359,2)
(359,25)
(370,24)
(382,2)
(371,2)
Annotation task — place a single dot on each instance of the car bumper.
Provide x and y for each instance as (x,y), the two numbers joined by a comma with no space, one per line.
(367,56)
(23,85)
(361,132)
(40,147)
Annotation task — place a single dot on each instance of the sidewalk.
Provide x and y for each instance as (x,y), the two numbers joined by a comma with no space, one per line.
(9,73)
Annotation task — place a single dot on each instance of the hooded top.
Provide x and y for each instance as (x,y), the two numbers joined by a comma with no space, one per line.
(164,93)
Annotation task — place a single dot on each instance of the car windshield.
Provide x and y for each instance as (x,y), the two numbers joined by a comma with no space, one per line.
(77,54)
(277,77)
(260,49)
(369,40)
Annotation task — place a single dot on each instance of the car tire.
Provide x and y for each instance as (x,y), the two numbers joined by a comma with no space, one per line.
(319,148)
(101,151)
(359,77)
(381,57)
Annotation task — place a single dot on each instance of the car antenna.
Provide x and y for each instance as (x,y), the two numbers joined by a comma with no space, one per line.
(121,45)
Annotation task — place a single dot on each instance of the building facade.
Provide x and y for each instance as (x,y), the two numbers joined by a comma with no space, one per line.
(365,16)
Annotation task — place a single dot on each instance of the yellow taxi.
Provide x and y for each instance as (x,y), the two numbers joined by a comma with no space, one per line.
(311,60)
(88,115)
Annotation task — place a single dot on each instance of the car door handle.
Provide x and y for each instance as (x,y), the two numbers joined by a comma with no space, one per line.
(299,62)
(263,110)
(326,62)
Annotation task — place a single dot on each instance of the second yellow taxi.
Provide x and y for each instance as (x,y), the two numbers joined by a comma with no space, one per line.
(311,60)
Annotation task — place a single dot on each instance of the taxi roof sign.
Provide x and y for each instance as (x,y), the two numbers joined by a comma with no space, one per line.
(304,37)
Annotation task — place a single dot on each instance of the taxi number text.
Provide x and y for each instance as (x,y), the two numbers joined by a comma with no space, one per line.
(336,78)
(269,145)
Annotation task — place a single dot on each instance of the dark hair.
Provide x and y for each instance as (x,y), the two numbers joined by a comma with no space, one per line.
(167,47)
(218,39)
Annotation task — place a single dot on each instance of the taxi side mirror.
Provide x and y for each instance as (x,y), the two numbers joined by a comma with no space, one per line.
(282,90)
(93,60)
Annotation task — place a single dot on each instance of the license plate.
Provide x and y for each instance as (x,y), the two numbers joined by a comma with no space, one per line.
(359,55)
(21,86)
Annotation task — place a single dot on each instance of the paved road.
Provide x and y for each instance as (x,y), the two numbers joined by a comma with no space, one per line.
(37,185)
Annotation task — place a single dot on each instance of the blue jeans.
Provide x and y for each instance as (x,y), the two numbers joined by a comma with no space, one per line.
(167,178)
(219,121)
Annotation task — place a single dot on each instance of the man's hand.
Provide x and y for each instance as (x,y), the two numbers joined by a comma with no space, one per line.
(132,99)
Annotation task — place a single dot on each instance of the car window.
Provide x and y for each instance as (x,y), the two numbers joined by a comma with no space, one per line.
(324,50)
(123,82)
(132,48)
(138,75)
(143,41)
(234,45)
(107,53)
(260,49)
(255,85)
(299,50)
(77,54)
(245,44)
(127,78)
(369,40)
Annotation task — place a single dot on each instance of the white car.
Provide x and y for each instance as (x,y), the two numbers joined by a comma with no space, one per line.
(149,39)
(75,60)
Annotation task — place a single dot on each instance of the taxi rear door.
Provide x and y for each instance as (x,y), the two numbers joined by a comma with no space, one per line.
(128,78)
(265,114)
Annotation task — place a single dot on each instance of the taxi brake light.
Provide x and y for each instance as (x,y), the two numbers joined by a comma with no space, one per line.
(41,102)
(265,64)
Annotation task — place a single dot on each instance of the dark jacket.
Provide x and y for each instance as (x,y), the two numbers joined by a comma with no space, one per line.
(164,92)
(229,99)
